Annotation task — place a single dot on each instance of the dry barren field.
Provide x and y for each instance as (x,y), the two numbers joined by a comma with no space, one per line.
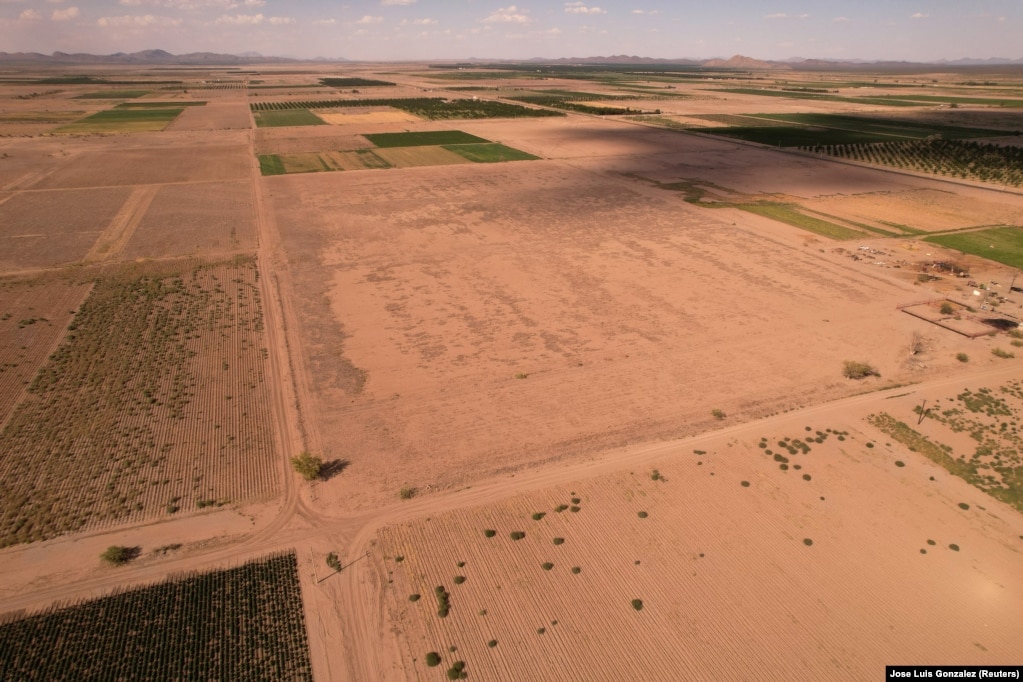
(655,404)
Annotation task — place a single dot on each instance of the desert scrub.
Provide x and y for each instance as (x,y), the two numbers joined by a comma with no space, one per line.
(999,353)
(407,493)
(852,369)
(307,465)
(718,414)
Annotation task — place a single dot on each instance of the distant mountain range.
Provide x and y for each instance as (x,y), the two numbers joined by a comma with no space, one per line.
(143,57)
(735,62)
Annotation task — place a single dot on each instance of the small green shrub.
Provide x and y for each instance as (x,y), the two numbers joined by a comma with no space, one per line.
(954,547)
(540,631)
(576,500)
(806,477)
(333,562)
(433,659)
(899,463)
(947,308)
(307,465)
(807,541)
(930,542)
(517,535)
(546,565)
(858,370)
(642,514)
(521,375)
(637,604)
(492,643)
(718,414)
(745,484)
(414,598)
(963,506)
(459,579)
(118,555)
(962,357)
(407,493)
(538,515)
(490,532)
(999,353)
(560,508)
(574,509)
(559,541)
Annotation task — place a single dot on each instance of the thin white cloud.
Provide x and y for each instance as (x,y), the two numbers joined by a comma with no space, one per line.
(581,8)
(399,3)
(646,12)
(920,15)
(281,21)
(369,20)
(507,15)
(138,21)
(777,15)
(30,15)
(241,19)
(425,22)
(324,22)
(197,4)
(64,14)
(840,20)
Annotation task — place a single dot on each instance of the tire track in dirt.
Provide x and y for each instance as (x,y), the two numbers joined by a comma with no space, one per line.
(113,239)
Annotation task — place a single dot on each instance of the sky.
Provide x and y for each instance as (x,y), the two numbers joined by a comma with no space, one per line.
(401,30)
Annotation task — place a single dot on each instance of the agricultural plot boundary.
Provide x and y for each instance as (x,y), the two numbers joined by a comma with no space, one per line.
(433,108)
(140,119)
(243,623)
(155,402)
(397,150)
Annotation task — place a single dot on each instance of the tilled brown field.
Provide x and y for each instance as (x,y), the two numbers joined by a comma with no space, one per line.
(33,318)
(196,219)
(155,402)
(57,227)
(851,555)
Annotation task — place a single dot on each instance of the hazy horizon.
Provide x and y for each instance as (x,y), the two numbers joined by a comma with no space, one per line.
(407,30)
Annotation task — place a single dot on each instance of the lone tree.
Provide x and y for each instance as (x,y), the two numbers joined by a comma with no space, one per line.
(307,465)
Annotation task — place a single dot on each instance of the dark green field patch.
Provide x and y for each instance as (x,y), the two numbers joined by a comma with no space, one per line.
(883,128)
(113,94)
(1001,244)
(286,118)
(271,164)
(123,121)
(353,82)
(793,136)
(244,623)
(430,138)
(491,152)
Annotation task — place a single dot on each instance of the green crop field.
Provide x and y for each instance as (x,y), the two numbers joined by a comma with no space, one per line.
(491,152)
(113,94)
(787,214)
(434,108)
(884,128)
(793,136)
(271,164)
(1001,244)
(353,82)
(288,117)
(423,139)
(243,623)
(123,121)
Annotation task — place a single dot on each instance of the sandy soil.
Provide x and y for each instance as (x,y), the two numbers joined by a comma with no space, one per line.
(342,119)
